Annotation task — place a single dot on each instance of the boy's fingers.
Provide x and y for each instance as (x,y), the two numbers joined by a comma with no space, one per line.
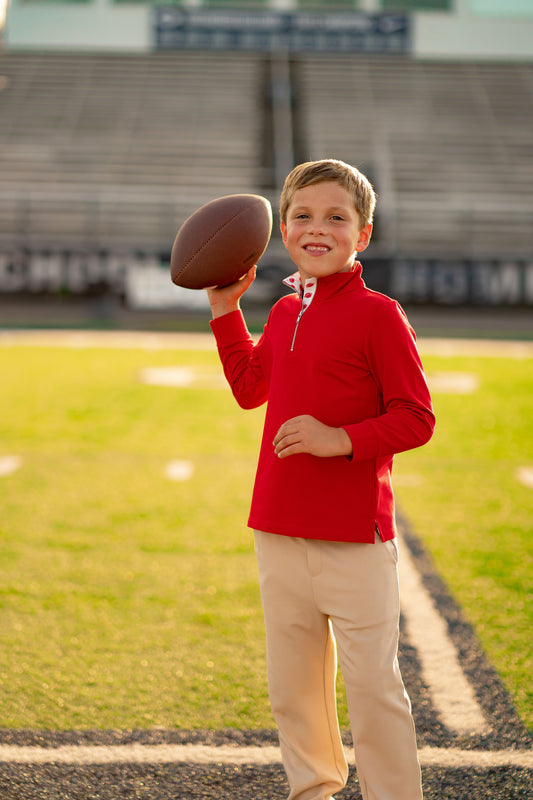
(290,435)
(249,277)
(224,299)
(288,428)
(286,442)
(241,284)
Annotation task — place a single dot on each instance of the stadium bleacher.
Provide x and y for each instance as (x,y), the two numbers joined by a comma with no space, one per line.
(450,146)
(116,150)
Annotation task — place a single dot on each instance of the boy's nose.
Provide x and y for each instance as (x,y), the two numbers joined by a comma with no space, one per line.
(316,226)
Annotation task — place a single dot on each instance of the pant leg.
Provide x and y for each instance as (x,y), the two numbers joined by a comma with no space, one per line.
(358,586)
(301,660)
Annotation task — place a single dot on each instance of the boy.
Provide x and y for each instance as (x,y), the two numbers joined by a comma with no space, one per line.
(339,368)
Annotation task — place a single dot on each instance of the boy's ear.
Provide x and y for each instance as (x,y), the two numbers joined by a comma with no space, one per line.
(364,238)
(283,227)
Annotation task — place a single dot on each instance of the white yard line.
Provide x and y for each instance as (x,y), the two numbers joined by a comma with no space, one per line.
(455,758)
(142,340)
(493,348)
(205,754)
(147,340)
(525,476)
(179,470)
(175,376)
(9,465)
(452,694)
(453,382)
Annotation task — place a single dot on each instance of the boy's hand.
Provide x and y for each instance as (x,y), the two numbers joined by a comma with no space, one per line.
(226,299)
(306,434)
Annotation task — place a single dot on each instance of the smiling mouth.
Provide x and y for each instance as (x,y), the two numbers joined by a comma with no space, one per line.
(317,249)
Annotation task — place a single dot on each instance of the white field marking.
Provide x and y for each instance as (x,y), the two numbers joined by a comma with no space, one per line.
(525,476)
(453,382)
(138,340)
(205,754)
(492,348)
(454,758)
(8,465)
(452,694)
(167,376)
(144,340)
(179,470)
(184,377)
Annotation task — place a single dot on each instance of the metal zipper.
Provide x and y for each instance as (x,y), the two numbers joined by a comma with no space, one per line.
(298,318)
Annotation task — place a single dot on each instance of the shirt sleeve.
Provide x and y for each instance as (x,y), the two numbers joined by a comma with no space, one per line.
(241,359)
(406,419)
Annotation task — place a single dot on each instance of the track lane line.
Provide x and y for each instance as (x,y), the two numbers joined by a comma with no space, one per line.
(206,754)
(452,694)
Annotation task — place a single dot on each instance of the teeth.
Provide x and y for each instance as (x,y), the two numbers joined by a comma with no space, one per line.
(315,248)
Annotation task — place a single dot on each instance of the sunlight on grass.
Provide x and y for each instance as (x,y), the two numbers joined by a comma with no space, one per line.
(473,514)
(119,586)
(131,600)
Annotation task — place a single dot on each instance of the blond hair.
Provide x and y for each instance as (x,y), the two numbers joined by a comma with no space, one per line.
(330,169)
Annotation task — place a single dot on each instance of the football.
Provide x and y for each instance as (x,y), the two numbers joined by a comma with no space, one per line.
(221,241)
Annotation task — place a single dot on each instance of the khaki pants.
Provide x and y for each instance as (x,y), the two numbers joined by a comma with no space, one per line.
(317,595)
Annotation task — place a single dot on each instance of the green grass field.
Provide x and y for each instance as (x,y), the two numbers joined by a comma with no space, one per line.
(130,600)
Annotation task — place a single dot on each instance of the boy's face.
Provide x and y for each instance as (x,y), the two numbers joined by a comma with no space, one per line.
(322,232)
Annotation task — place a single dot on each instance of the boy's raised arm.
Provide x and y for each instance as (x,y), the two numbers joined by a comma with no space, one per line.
(226,299)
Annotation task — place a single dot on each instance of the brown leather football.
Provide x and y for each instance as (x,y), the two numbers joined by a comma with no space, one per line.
(221,241)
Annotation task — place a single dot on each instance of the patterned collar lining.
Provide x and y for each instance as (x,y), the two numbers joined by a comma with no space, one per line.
(306,292)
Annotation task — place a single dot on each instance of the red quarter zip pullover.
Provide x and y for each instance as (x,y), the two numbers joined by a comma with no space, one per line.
(351,361)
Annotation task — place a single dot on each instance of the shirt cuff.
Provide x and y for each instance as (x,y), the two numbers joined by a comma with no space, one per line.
(230,328)
(365,441)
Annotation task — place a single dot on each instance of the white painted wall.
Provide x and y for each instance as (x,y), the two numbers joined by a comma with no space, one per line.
(96,25)
(468,35)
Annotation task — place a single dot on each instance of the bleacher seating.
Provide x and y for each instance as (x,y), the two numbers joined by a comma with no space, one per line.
(118,150)
(113,151)
(449,146)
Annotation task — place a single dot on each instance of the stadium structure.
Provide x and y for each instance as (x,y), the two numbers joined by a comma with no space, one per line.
(118,119)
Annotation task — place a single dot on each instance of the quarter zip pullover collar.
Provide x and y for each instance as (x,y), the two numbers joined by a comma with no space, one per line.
(329,284)
(305,291)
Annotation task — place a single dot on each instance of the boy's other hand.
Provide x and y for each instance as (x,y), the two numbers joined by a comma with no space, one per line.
(306,434)
(225,299)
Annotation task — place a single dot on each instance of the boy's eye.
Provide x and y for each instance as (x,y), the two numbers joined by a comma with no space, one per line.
(337,218)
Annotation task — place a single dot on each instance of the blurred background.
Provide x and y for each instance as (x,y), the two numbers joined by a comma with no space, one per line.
(118,119)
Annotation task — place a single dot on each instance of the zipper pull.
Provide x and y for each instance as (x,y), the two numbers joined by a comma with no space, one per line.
(298,318)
